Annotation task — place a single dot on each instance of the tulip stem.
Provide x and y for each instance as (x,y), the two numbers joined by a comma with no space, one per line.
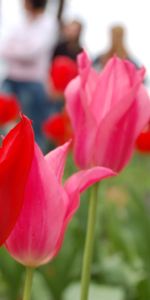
(89,243)
(28,283)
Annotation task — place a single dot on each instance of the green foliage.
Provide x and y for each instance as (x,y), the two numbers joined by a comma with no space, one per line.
(121,264)
(96,292)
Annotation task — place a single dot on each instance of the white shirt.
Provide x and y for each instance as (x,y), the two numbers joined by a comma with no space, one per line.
(28,48)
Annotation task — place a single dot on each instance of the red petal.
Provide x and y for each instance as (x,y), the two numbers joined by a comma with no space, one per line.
(15,161)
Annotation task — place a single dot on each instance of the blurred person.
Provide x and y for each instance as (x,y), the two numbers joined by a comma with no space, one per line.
(70,40)
(117,47)
(26,52)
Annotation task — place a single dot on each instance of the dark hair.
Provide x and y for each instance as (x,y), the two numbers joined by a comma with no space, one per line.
(37,4)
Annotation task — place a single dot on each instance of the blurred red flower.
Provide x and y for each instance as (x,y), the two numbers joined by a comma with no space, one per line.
(143,141)
(9,108)
(62,71)
(58,128)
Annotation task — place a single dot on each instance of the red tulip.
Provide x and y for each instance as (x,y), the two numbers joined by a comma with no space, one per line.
(63,70)
(143,141)
(58,128)
(9,108)
(15,161)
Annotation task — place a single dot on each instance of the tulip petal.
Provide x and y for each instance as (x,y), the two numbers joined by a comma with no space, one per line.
(143,110)
(15,161)
(82,123)
(75,185)
(89,78)
(38,228)
(57,158)
(81,180)
(114,83)
(118,131)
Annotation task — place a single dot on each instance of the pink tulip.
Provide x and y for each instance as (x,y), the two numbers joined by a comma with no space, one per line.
(107,111)
(48,206)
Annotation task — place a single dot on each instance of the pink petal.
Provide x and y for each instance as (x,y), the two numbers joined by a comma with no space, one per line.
(114,83)
(75,185)
(38,228)
(89,78)
(57,158)
(82,123)
(80,181)
(118,131)
(83,61)
(73,101)
(143,110)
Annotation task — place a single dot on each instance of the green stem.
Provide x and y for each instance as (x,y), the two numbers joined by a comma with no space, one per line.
(89,244)
(28,283)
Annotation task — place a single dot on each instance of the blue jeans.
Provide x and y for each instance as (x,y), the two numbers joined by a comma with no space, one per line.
(34,103)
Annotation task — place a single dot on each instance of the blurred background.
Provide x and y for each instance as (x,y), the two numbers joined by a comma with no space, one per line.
(121,268)
(98,17)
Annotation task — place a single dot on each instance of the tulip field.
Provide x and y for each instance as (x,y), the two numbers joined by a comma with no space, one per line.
(75,221)
(121,266)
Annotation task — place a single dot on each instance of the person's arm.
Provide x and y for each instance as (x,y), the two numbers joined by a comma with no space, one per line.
(60,11)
